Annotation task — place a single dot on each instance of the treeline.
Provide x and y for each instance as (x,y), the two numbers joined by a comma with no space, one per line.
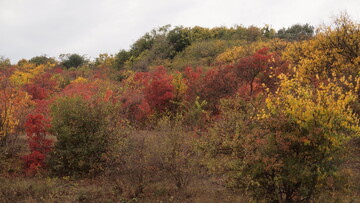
(264,115)
(184,46)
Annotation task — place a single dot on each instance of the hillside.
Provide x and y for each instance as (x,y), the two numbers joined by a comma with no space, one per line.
(188,114)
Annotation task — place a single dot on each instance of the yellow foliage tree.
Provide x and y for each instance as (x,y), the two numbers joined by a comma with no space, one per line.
(79,80)
(27,71)
(236,53)
(105,60)
(302,145)
(327,104)
(179,85)
(292,148)
(334,49)
(13,105)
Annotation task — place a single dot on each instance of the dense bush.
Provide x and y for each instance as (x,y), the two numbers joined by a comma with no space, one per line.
(72,60)
(289,149)
(80,129)
(296,32)
(38,60)
(40,146)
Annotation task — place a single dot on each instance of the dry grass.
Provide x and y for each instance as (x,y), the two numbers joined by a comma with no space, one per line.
(97,190)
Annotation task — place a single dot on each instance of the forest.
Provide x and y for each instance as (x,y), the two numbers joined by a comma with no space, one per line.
(188,114)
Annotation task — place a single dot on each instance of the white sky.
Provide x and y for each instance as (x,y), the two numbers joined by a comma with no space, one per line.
(35,27)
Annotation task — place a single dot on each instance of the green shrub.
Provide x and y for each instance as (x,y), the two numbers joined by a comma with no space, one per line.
(72,60)
(38,60)
(81,134)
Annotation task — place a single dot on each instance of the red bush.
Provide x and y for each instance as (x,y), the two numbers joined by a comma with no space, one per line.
(41,87)
(219,82)
(159,90)
(36,126)
(194,83)
(135,106)
(250,69)
(85,90)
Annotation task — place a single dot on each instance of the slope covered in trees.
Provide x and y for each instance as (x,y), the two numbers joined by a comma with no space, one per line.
(252,113)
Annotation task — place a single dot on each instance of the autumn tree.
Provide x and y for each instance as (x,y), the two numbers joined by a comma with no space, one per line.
(294,147)
(26,72)
(42,86)
(105,60)
(38,123)
(249,69)
(36,130)
(159,90)
(13,105)
(217,83)
(335,48)
(200,53)
(305,134)
(234,54)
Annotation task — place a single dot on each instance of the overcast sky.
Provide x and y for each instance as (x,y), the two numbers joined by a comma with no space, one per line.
(35,27)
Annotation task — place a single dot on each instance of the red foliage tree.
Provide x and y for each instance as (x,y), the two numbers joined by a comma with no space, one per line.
(41,87)
(250,69)
(219,82)
(135,106)
(36,125)
(147,93)
(194,83)
(258,69)
(159,90)
(85,90)
(133,103)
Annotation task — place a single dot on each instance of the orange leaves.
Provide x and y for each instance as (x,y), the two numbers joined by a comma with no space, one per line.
(108,95)
(85,90)
(13,104)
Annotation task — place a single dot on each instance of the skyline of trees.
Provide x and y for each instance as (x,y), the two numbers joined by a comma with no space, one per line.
(177,38)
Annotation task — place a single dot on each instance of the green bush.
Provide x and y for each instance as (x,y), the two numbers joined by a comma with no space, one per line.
(38,60)
(296,32)
(201,53)
(72,60)
(80,129)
